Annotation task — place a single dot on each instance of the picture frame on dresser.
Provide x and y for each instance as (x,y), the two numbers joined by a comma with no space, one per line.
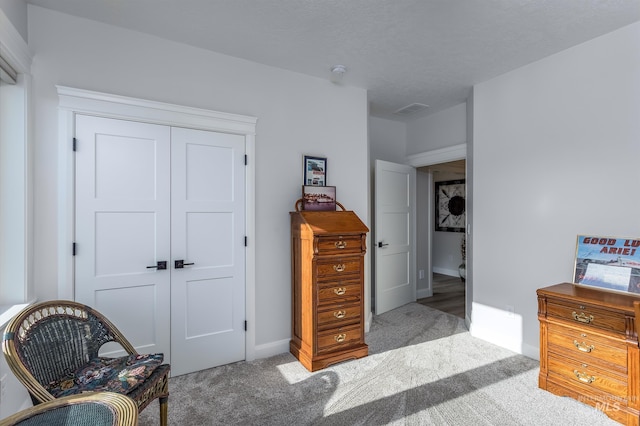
(314,171)
(318,198)
(610,263)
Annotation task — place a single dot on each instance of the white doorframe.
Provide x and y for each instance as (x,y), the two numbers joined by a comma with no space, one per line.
(429,158)
(74,101)
(437,156)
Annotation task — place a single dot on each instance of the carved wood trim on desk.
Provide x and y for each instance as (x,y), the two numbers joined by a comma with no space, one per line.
(589,348)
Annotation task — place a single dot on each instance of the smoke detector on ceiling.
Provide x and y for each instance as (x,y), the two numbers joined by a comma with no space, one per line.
(337,72)
(410,109)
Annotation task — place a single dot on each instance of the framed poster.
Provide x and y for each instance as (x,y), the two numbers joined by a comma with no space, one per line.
(318,198)
(314,171)
(611,263)
(450,205)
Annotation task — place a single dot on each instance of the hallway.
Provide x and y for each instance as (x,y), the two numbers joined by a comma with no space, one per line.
(448,295)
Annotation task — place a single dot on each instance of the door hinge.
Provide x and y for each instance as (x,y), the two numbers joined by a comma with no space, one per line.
(75,144)
(246,241)
(245,326)
(246,159)
(73,249)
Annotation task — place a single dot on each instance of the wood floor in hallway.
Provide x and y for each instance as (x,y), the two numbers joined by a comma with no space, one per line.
(448,295)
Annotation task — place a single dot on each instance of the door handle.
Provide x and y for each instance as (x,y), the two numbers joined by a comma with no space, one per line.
(162,264)
(179,264)
(381,244)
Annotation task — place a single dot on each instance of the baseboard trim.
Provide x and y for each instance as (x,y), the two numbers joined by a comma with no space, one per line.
(424,292)
(271,349)
(445,271)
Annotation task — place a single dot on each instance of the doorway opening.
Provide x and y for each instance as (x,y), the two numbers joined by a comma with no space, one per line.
(447,253)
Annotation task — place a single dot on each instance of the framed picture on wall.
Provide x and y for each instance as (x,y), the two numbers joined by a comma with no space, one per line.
(450,205)
(611,263)
(314,171)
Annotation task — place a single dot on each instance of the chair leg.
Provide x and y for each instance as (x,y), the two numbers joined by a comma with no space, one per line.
(164,404)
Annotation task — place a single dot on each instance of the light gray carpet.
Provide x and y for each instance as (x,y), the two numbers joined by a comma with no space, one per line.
(423,368)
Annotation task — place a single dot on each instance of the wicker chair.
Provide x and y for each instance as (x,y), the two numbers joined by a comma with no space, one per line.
(90,409)
(49,343)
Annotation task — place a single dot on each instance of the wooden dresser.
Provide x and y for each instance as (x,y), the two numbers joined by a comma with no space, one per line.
(589,348)
(327,273)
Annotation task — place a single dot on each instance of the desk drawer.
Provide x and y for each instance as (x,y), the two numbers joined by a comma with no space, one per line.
(339,245)
(588,376)
(587,316)
(338,267)
(582,344)
(338,316)
(339,338)
(340,291)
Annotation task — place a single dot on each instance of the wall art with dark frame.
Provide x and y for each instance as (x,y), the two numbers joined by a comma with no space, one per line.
(611,263)
(314,171)
(450,205)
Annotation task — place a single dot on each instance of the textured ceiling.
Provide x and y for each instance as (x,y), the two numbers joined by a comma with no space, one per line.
(401,51)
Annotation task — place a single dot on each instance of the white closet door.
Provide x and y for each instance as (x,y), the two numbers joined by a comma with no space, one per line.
(207,233)
(123,226)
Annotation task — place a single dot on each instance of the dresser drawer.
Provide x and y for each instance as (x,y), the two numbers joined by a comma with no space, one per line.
(338,338)
(588,376)
(338,316)
(335,268)
(588,316)
(338,245)
(581,344)
(339,291)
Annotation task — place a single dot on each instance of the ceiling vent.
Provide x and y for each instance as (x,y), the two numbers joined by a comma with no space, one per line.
(411,109)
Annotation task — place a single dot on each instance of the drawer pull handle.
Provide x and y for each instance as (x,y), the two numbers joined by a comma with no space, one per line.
(583,377)
(341,244)
(341,337)
(340,291)
(339,267)
(340,314)
(583,347)
(582,317)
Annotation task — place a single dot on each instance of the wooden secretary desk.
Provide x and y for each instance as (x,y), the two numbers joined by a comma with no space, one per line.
(589,348)
(327,274)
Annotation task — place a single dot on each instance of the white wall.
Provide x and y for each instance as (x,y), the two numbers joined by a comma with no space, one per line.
(16,11)
(556,146)
(387,140)
(296,114)
(439,130)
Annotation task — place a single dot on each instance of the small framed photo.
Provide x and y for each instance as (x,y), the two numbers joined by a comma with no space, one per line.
(318,198)
(611,263)
(314,171)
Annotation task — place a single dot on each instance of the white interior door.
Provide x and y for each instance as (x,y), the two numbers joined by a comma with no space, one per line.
(207,233)
(147,194)
(122,226)
(395,195)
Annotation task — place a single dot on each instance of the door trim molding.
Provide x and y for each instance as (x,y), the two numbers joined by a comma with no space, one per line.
(78,101)
(437,156)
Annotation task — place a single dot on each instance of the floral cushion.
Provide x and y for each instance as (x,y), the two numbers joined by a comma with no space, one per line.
(119,375)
